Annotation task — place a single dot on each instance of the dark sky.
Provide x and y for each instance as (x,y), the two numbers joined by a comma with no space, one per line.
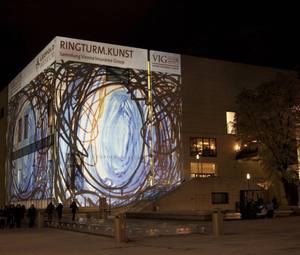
(246,33)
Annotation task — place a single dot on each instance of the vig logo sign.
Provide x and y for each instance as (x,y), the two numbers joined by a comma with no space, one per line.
(165,62)
(164,59)
(160,58)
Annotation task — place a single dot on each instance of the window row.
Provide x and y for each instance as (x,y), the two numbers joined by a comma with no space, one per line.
(205,147)
(201,169)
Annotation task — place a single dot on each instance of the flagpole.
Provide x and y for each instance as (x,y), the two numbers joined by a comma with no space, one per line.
(150,123)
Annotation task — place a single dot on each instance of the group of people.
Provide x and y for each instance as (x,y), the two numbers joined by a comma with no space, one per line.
(59,210)
(51,208)
(12,216)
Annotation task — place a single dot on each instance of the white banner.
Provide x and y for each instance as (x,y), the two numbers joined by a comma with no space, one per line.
(100,53)
(68,49)
(43,60)
(165,62)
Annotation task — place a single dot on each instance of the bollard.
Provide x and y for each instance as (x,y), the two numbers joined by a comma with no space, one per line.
(217,223)
(120,228)
(104,214)
(103,208)
(40,219)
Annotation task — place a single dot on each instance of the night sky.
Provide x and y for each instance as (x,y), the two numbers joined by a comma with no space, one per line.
(247,33)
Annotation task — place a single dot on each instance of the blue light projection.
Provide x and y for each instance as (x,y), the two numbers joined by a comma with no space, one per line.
(102,137)
(29,170)
(118,137)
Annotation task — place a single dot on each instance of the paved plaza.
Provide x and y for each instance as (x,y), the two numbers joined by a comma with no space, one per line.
(261,236)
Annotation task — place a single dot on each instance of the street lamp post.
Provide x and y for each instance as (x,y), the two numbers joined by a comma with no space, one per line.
(198,159)
(248,177)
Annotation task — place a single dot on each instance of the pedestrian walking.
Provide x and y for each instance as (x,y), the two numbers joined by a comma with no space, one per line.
(59,210)
(49,210)
(74,209)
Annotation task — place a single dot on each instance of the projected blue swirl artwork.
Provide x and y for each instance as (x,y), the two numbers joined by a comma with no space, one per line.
(118,137)
(30,171)
(107,143)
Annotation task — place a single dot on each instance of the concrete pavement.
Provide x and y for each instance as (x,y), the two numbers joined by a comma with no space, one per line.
(263,236)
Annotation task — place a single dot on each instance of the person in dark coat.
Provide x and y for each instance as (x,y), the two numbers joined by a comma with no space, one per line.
(11,216)
(74,209)
(31,214)
(2,218)
(18,215)
(6,209)
(23,211)
(59,210)
(49,210)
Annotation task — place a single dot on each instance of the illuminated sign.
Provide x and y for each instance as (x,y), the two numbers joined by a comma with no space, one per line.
(101,53)
(67,49)
(165,62)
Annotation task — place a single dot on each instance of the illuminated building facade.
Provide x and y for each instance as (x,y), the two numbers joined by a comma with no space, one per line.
(91,120)
(87,120)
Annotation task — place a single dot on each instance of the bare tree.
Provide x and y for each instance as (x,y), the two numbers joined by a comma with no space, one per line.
(269,115)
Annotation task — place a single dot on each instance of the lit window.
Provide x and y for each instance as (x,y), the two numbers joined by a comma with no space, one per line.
(230,121)
(200,169)
(205,147)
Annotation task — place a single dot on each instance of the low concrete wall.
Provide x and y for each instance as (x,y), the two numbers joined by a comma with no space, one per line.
(196,195)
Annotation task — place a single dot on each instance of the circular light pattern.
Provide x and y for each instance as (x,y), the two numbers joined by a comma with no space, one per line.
(103,134)
(120,145)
